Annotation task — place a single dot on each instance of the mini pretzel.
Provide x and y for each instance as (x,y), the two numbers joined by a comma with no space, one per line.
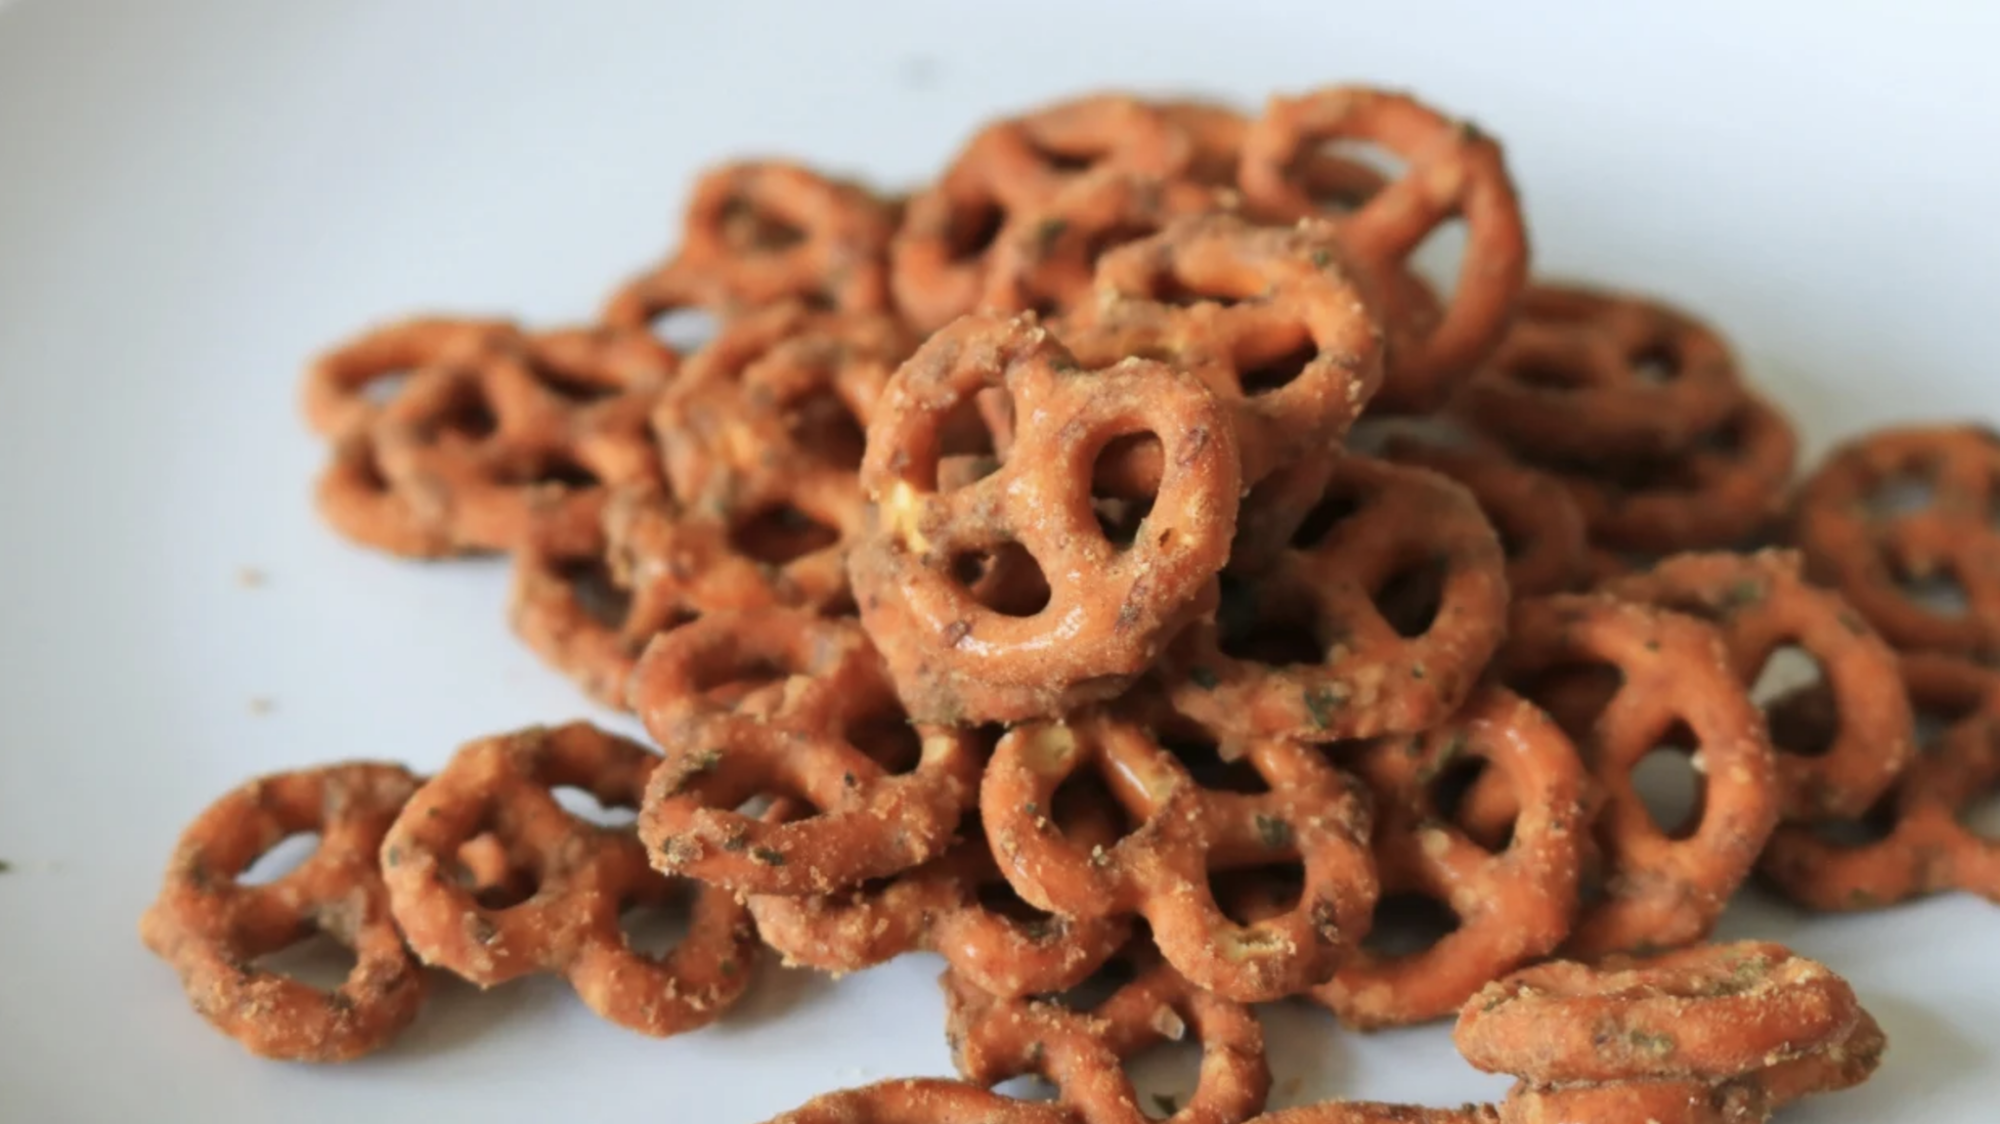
(1044,259)
(1540,527)
(213,928)
(1110,608)
(1729,486)
(1269,319)
(1870,557)
(939,255)
(1595,375)
(826,734)
(1313,814)
(1665,887)
(925,1100)
(1639,1102)
(1761,604)
(942,907)
(1368,678)
(1512,907)
(1082,1051)
(1374,1112)
(341,381)
(1453,171)
(760,232)
(585,876)
(1927,848)
(1709,1013)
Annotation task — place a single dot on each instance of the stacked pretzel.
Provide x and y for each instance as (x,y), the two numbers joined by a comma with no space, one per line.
(1008,577)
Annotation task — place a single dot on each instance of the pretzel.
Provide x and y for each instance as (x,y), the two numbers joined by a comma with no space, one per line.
(357,501)
(1044,258)
(922,1100)
(943,907)
(1638,1102)
(1374,1112)
(1540,527)
(1271,320)
(342,382)
(1708,1013)
(1110,608)
(1363,676)
(585,876)
(1722,491)
(939,256)
(1313,814)
(1595,375)
(1082,1051)
(827,733)
(1872,558)
(1761,604)
(212,928)
(1664,887)
(1926,848)
(1453,171)
(1512,907)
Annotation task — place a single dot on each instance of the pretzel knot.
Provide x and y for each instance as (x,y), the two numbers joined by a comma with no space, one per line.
(213,928)
(1594,375)
(479,454)
(1860,537)
(584,877)
(958,905)
(1452,171)
(1303,811)
(1512,907)
(1540,528)
(1761,604)
(1082,1051)
(1110,606)
(1666,884)
(1269,319)
(1919,845)
(882,796)
(1377,619)
(923,1100)
(939,258)
(760,232)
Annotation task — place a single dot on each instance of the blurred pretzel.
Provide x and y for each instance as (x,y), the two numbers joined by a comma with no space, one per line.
(926,1100)
(344,385)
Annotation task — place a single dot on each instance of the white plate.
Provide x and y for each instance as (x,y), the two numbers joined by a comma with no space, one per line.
(195,195)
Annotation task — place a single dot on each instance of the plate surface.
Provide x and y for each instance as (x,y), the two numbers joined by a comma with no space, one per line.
(194,196)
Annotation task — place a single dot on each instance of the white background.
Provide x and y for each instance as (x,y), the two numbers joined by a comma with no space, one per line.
(195,195)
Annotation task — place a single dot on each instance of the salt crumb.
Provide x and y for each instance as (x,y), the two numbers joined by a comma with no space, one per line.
(261,705)
(250,577)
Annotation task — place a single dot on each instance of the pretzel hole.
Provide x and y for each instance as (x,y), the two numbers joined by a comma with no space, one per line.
(1471,796)
(1201,755)
(1669,786)
(1257,894)
(483,867)
(1341,174)
(1006,580)
(1657,363)
(684,329)
(1573,694)
(1874,826)
(1407,924)
(576,387)
(1166,1074)
(750,228)
(318,960)
(780,533)
(1171,287)
(972,228)
(1549,373)
(1803,721)
(823,426)
(599,597)
(1938,591)
(585,805)
(1905,493)
(1098,987)
(1440,257)
(1088,815)
(1981,816)
(283,857)
(729,682)
(1275,368)
(549,469)
(1124,483)
(654,928)
(466,413)
(1029,1087)
(1787,670)
(1333,509)
(1276,628)
(887,737)
(976,428)
(999,899)
(1067,158)
(1411,598)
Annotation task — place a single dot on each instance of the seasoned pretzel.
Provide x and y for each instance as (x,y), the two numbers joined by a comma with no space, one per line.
(1081,1051)
(1363,675)
(341,384)
(1539,525)
(1270,320)
(1110,608)
(585,876)
(1453,171)
(1595,375)
(1926,848)
(1725,489)
(1761,604)
(943,907)
(939,257)
(1374,1112)
(1312,814)
(827,734)
(357,500)
(1872,557)
(1512,907)
(1664,887)
(1707,1013)
(922,1100)
(212,927)
(1638,1102)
